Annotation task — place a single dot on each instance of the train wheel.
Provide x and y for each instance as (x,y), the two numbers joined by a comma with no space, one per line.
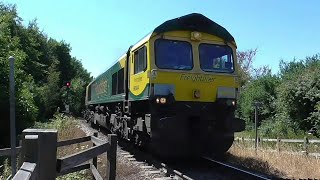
(137,141)
(93,125)
(140,141)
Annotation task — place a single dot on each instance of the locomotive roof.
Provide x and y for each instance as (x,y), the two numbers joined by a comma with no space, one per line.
(189,22)
(195,22)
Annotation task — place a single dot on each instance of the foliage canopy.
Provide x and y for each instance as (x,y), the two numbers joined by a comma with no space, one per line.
(42,65)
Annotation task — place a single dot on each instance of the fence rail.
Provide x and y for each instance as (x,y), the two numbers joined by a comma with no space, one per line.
(306,142)
(38,155)
(73,141)
(7,151)
(26,171)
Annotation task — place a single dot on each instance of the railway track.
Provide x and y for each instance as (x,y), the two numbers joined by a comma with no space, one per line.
(237,171)
(203,168)
(151,164)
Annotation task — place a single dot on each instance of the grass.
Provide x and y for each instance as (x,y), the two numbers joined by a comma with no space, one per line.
(251,134)
(123,171)
(282,165)
(5,169)
(284,146)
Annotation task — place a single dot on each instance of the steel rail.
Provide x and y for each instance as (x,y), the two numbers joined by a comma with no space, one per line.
(175,172)
(236,168)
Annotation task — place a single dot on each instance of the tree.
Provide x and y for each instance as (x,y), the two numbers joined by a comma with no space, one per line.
(262,90)
(42,65)
(50,95)
(299,92)
(245,60)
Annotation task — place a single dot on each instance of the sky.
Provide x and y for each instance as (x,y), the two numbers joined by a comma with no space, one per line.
(100,31)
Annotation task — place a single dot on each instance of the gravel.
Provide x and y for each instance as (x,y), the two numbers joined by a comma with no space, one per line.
(127,166)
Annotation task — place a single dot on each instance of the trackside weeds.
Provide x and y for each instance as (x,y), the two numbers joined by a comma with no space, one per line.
(283,165)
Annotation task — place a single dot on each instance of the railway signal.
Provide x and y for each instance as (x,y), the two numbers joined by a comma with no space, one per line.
(68,84)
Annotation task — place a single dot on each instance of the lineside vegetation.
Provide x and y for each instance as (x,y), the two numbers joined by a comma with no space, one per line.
(43,65)
(290,99)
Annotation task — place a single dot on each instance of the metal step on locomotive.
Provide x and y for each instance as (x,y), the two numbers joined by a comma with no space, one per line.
(175,91)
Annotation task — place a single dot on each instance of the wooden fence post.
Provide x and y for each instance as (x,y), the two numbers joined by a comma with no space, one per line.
(278,144)
(47,152)
(31,148)
(30,153)
(95,160)
(27,141)
(305,145)
(112,157)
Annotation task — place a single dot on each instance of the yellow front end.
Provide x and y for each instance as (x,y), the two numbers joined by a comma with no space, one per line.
(193,83)
(193,92)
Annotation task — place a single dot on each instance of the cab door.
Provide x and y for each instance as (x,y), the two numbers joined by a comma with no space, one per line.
(138,81)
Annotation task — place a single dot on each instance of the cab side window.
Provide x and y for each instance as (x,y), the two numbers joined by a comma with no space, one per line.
(114,83)
(118,82)
(140,60)
(89,93)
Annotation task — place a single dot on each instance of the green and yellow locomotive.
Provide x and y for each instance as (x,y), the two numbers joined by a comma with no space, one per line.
(174,91)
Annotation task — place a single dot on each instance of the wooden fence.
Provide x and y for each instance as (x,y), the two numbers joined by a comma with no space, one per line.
(38,155)
(7,151)
(306,143)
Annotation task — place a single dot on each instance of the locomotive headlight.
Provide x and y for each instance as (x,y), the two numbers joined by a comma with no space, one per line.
(231,102)
(163,100)
(196,36)
(196,93)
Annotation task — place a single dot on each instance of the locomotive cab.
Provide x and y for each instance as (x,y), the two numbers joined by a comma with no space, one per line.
(193,91)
